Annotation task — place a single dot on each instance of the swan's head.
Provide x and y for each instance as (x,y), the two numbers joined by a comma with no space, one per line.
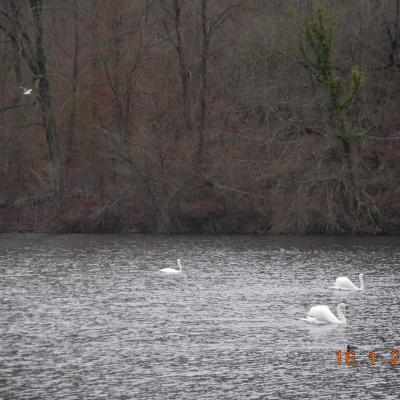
(361,276)
(340,310)
(178,260)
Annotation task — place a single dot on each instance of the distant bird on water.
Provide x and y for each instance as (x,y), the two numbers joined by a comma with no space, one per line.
(351,348)
(173,270)
(344,283)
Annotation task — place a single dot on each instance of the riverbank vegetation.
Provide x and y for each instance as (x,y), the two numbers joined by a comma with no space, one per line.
(176,116)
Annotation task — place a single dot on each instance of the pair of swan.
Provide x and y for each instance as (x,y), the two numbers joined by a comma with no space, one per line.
(321,315)
(173,270)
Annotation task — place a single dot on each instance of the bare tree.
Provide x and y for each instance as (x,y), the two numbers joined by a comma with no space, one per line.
(128,45)
(31,46)
(174,9)
(208,28)
(72,139)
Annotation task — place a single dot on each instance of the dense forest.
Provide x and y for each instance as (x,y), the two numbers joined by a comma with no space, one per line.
(168,116)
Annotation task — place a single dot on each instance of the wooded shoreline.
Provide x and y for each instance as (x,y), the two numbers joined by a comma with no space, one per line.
(169,116)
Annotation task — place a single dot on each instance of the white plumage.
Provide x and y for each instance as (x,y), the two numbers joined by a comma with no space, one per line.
(344,283)
(322,315)
(173,270)
(26,91)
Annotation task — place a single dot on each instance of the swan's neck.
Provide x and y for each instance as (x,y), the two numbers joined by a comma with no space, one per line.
(340,314)
(179,266)
(361,282)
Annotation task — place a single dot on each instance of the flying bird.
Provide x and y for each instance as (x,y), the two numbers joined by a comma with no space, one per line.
(26,91)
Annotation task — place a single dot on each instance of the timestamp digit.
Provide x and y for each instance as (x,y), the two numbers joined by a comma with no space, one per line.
(339,357)
(350,358)
(396,356)
(372,355)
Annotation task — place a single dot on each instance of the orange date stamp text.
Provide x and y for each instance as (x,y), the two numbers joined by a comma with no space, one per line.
(352,359)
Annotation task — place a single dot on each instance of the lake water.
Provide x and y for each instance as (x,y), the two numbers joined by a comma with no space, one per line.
(90,317)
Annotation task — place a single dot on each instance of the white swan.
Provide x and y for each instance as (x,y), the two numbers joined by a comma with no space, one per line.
(322,315)
(344,283)
(173,270)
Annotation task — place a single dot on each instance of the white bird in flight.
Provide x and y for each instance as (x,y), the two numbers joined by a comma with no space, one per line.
(26,91)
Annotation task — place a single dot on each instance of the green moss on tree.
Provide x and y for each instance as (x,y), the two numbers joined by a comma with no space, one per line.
(318,56)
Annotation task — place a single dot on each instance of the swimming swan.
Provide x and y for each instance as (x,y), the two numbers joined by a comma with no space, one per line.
(344,283)
(321,315)
(173,270)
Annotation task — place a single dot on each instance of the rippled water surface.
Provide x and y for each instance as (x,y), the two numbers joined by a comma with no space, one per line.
(90,317)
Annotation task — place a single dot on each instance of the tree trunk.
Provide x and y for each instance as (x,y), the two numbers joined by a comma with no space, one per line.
(203,77)
(72,140)
(184,72)
(51,137)
(44,99)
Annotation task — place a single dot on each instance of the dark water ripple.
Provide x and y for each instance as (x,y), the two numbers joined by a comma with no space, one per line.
(90,317)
